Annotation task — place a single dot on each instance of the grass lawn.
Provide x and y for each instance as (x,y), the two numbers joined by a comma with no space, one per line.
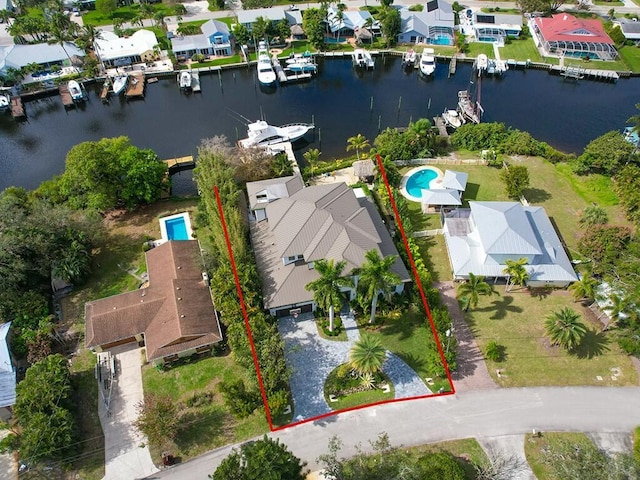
(535,449)
(215,63)
(468,453)
(127,13)
(631,55)
(476,48)
(209,423)
(434,254)
(521,50)
(516,321)
(365,397)
(341,337)
(408,337)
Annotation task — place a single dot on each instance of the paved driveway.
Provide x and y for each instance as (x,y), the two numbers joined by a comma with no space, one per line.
(311,359)
(124,456)
(8,466)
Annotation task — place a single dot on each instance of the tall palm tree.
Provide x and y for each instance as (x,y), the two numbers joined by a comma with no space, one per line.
(61,30)
(367,355)
(312,156)
(635,120)
(516,272)
(147,11)
(593,215)
(565,328)
(584,289)
(471,290)
(375,278)
(327,290)
(357,143)
(619,311)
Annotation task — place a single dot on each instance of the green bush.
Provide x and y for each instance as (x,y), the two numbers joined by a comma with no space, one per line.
(495,352)
(636,444)
(416,8)
(240,401)
(199,399)
(337,326)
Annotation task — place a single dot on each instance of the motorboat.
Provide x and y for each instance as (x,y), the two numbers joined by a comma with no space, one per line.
(482,63)
(409,58)
(500,66)
(5,100)
(261,134)
(266,75)
(119,84)
(302,67)
(427,62)
(184,80)
(362,58)
(466,107)
(305,57)
(452,118)
(75,90)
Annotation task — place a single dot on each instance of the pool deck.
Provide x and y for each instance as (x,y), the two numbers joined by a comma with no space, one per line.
(432,184)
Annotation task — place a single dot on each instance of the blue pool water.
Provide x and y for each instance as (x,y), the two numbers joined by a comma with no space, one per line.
(442,40)
(177,229)
(420,181)
(334,40)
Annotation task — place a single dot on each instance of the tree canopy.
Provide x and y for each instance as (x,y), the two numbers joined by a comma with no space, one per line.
(606,154)
(111,173)
(516,180)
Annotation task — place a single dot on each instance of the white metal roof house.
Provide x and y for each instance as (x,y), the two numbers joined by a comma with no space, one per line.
(495,27)
(481,238)
(434,25)
(115,51)
(319,222)
(455,180)
(440,197)
(275,14)
(214,40)
(266,191)
(630,28)
(44,54)
(7,375)
(351,22)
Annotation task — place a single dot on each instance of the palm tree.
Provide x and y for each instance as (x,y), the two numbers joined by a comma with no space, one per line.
(375,278)
(565,328)
(620,309)
(593,215)
(391,172)
(5,16)
(61,30)
(281,166)
(584,289)
(367,355)
(472,289)
(357,143)
(516,272)
(635,119)
(340,17)
(327,290)
(147,11)
(312,156)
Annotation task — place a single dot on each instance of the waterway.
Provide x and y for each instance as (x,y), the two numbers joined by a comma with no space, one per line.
(563,113)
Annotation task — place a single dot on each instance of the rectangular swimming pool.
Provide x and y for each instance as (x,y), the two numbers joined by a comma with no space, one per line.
(177,229)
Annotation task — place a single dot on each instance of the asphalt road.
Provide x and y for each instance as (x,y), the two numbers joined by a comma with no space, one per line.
(485,413)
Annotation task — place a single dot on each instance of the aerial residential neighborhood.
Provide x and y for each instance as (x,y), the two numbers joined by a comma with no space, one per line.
(346,241)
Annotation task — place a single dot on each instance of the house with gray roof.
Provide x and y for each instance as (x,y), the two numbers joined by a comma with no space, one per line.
(115,51)
(455,180)
(480,240)
(266,191)
(350,22)
(327,221)
(7,374)
(434,25)
(433,199)
(215,39)
(44,54)
(274,14)
(495,27)
(630,28)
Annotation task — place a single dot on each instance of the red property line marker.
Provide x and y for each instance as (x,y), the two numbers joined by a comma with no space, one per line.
(243,307)
(415,271)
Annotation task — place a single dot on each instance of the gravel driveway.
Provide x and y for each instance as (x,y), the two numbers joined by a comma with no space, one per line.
(312,358)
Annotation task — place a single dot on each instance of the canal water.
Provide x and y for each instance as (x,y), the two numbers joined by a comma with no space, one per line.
(565,114)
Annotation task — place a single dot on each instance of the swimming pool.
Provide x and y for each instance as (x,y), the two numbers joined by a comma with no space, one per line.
(418,179)
(442,40)
(176,227)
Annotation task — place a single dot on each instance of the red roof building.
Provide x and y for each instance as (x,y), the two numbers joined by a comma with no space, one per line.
(564,34)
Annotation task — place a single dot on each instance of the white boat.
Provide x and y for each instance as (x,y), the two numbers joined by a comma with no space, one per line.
(261,134)
(427,62)
(362,58)
(482,63)
(305,57)
(75,90)
(452,118)
(5,100)
(501,66)
(302,67)
(266,75)
(184,80)
(119,84)
(467,107)
(409,58)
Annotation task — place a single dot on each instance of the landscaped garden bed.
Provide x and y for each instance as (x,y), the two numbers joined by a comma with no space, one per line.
(346,388)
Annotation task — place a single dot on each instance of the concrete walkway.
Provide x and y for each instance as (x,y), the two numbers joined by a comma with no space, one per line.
(507,451)
(311,359)
(126,451)
(8,465)
(472,373)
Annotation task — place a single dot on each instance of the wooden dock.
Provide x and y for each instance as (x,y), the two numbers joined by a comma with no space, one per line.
(179,163)
(135,87)
(65,95)
(106,92)
(17,108)
(282,77)
(453,65)
(195,82)
(442,128)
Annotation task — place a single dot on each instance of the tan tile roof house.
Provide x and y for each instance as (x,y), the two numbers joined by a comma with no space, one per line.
(318,222)
(174,315)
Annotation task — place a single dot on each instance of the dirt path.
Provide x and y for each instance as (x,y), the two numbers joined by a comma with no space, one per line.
(472,373)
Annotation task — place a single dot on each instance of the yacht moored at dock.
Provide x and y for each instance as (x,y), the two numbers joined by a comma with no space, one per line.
(184,80)
(76,91)
(5,100)
(261,134)
(409,58)
(427,62)
(452,118)
(481,63)
(119,84)
(362,58)
(467,108)
(266,75)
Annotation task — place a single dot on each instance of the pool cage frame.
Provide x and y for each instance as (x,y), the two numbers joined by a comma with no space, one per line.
(602,51)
